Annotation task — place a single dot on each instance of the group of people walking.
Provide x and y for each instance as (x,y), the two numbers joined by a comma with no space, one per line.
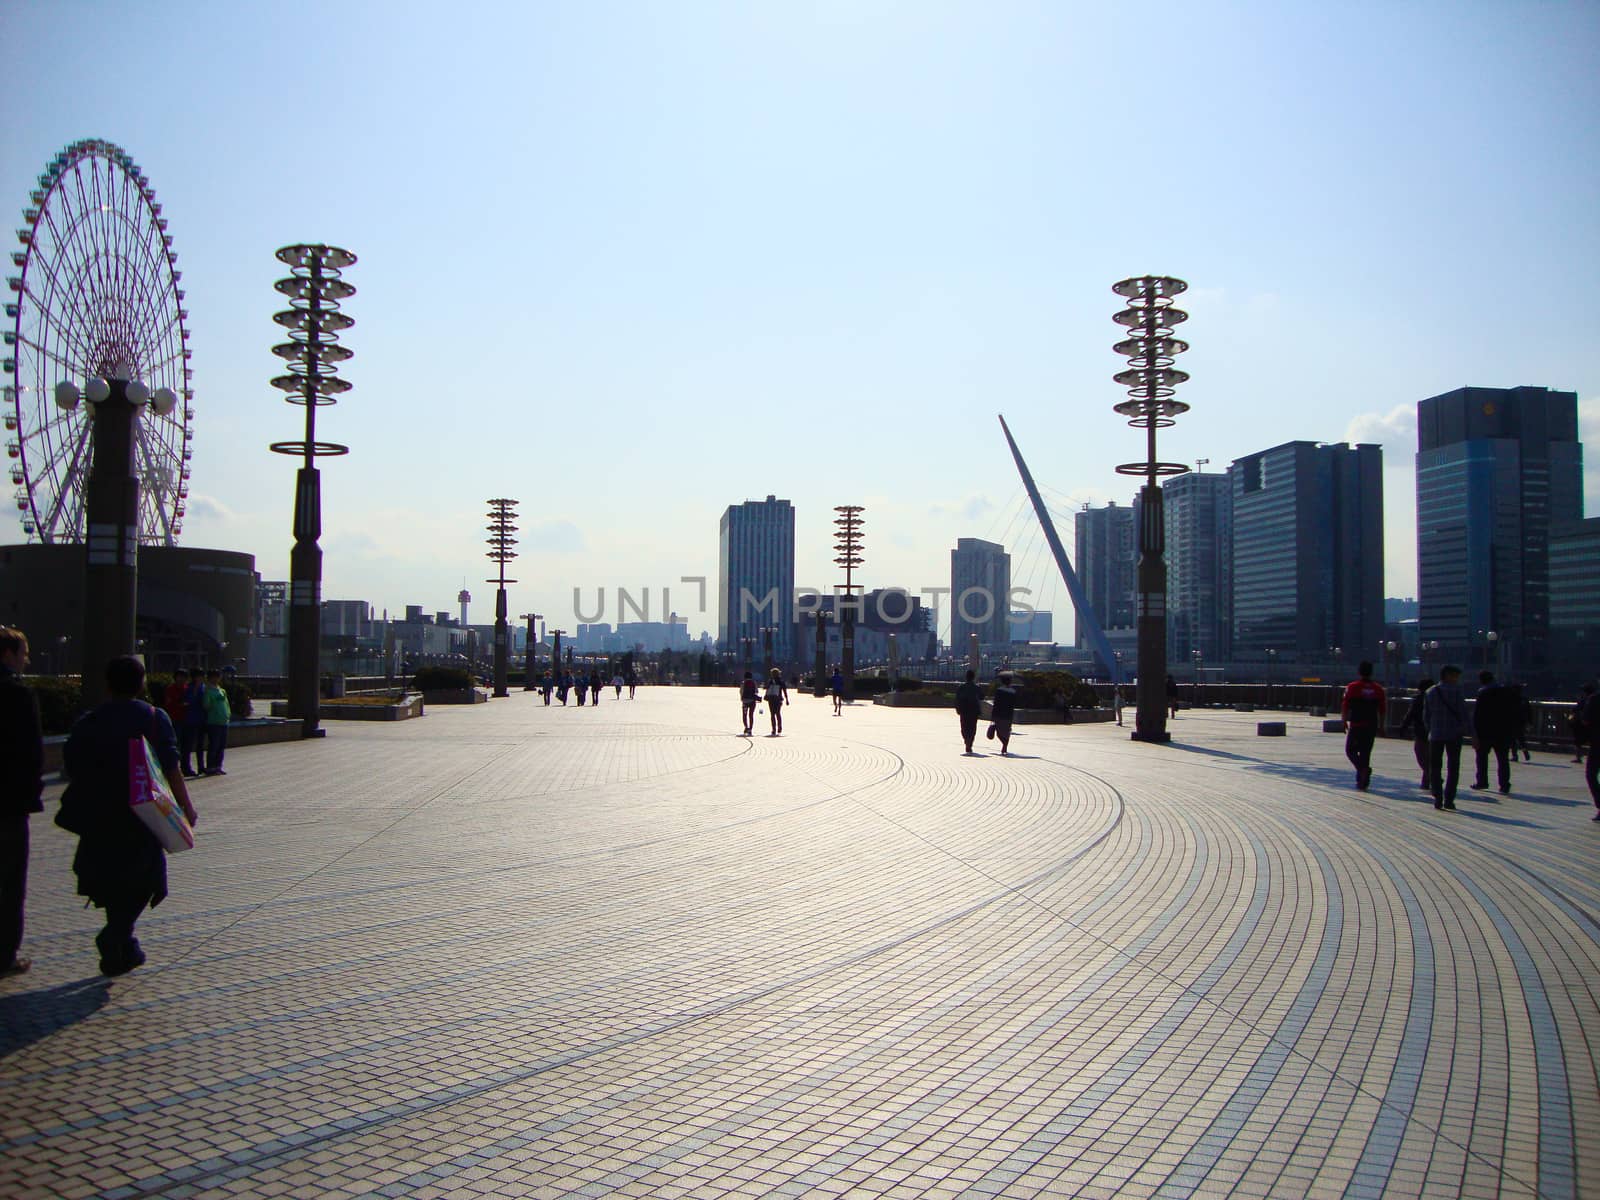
(120,865)
(566,683)
(1440,721)
(776,695)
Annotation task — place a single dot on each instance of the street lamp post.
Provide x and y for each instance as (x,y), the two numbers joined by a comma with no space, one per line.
(819,685)
(111,510)
(847,545)
(313,355)
(766,636)
(502,524)
(531,659)
(1272,669)
(1199,664)
(1491,641)
(1151,380)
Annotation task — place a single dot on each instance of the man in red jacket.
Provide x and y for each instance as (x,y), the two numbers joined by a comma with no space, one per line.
(1363,709)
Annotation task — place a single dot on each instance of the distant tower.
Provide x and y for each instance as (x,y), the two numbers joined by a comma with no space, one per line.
(464,598)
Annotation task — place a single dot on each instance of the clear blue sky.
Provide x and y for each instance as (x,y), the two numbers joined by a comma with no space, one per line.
(632,263)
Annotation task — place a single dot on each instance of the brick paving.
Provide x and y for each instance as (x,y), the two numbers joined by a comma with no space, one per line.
(517,951)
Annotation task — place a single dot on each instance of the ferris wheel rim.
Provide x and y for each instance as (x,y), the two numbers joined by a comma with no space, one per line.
(98,283)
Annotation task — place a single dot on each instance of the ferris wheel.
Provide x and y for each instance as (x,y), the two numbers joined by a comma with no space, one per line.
(96,296)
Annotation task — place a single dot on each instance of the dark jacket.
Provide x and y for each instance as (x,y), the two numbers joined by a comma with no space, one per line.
(1445,710)
(1005,705)
(117,855)
(21,747)
(1495,716)
(1416,721)
(969,700)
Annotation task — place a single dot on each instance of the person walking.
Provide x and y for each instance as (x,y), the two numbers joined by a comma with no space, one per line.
(1449,721)
(1363,709)
(217,713)
(174,702)
(1002,711)
(1590,718)
(580,685)
(616,685)
(837,685)
(633,682)
(595,684)
(749,694)
(1116,703)
(21,789)
(120,865)
(193,738)
(969,707)
(1417,725)
(1172,696)
(1494,724)
(1575,723)
(1519,738)
(547,685)
(777,697)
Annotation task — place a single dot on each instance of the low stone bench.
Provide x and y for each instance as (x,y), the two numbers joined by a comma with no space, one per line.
(1272,729)
(1333,725)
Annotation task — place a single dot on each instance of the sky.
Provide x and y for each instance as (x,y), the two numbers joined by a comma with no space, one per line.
(632,263)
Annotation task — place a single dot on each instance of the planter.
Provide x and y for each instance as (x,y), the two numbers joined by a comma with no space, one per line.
(411,706)
(456,696)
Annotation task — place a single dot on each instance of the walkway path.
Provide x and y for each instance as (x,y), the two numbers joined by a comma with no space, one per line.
(512,951)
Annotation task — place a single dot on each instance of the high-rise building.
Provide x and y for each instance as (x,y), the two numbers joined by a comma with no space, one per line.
(1574,599)
(1308,553)
(1106,558)
(1031,625)
(1199,516)
(755,580)
(1497,470)
(980,591)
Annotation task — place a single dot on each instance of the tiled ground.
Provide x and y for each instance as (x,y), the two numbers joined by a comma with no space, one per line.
(512,951)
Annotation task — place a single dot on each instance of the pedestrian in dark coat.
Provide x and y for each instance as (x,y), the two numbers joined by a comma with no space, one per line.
(1002,711)
(1590,716)
(21,785)
(120,865)
(969,707)
(1494,722)
(1449,722)
(1416,724)
(595,684)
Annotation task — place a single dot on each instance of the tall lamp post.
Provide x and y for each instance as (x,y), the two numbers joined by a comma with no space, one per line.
(313,355)
(502,524)
(1151,380)
(819,684)
(531,659)
(847,545)
(1491,643)
(766,637)
(111,512)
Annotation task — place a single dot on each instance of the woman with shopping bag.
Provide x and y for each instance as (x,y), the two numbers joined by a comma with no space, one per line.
(120,810)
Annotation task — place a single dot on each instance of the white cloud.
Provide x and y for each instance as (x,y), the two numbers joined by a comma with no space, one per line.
(1395,430)
(209,508)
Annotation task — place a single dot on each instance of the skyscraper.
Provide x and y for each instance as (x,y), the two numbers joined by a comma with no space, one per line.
(755,579)
(980,591)
(1199,518)
(1308,552)
(1106,558)
(1497,469)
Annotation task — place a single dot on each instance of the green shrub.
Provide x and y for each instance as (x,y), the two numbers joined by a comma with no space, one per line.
(60,701)
(441,679)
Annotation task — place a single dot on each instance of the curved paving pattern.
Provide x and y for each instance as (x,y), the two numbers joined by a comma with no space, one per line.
(525,952)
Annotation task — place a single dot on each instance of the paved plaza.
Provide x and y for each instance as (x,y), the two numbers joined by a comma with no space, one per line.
(518,951)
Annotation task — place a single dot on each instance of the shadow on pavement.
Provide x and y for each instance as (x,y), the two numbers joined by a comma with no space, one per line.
(28,1017)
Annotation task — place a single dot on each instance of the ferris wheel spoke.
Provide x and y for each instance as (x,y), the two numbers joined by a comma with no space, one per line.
(84,322)
(66,496)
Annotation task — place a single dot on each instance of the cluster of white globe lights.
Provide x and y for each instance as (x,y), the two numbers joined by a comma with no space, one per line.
(163,400)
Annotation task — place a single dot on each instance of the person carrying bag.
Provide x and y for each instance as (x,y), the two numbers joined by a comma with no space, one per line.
(116,759)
